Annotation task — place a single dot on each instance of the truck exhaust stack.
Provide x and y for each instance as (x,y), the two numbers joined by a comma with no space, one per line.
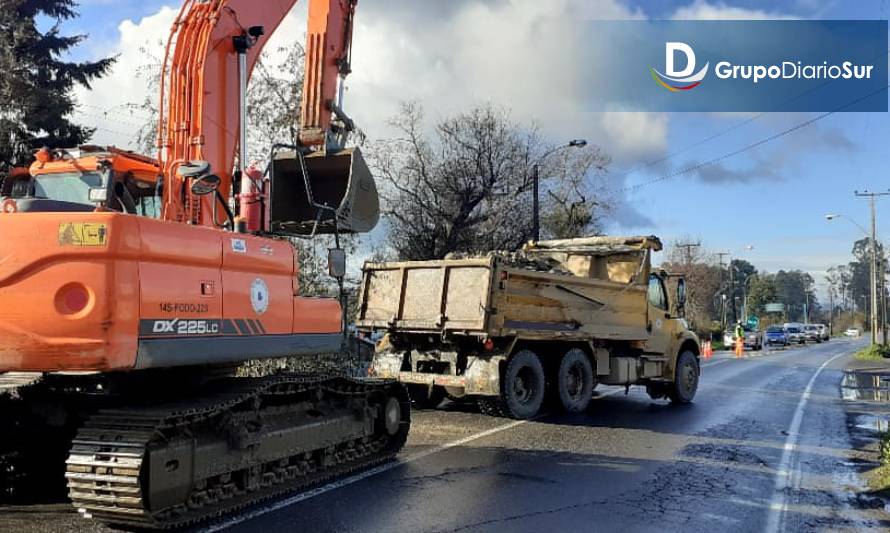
(339,181)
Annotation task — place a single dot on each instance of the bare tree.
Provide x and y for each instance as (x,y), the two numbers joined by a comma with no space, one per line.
(575,206)
(703,283)
(467,188)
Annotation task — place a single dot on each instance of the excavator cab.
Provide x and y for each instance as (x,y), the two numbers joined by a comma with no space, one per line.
(322,193)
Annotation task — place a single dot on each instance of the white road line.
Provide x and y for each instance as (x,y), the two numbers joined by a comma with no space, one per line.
(303,496)
(779,504)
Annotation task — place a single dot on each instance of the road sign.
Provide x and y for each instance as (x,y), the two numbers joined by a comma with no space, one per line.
(775,308)
(753,322)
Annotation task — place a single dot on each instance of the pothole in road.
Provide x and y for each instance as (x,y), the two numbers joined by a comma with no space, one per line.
(727,453)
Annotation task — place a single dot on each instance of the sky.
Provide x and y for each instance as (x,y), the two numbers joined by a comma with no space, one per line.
(451,55)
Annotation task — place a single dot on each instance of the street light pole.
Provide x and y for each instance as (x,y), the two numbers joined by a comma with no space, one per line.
(873,241)
(874,260)
(536,185)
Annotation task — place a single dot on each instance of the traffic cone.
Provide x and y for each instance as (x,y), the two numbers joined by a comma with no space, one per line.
(708,351)
(739,348)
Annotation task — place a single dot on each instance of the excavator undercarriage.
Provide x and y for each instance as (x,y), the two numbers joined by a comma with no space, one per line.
(199,454)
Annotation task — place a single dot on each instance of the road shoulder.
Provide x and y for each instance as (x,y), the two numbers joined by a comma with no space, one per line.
(866,393)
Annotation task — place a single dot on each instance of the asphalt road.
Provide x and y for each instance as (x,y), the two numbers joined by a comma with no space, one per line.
(765,447)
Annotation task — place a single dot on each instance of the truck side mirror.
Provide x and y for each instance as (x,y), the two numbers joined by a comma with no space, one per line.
(336,263)
(681,294)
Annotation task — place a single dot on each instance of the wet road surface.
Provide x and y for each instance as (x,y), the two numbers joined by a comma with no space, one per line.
(763,448)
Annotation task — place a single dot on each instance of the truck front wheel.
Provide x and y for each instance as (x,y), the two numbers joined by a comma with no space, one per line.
(575,381)
(685,378)
(522,390)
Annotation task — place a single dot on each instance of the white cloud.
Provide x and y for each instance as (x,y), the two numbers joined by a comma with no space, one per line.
(449,55)
(704,10)
(105,105)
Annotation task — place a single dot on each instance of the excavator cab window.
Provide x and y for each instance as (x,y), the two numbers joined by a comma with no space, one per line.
(135,196)
(71,187)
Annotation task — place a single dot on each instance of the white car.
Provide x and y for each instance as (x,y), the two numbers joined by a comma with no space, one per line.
(753,339)
(795,333)
(852,332)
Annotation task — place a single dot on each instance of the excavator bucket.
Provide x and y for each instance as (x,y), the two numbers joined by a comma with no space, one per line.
(336,193)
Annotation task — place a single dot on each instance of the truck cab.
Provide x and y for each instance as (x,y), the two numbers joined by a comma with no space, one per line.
(83,180)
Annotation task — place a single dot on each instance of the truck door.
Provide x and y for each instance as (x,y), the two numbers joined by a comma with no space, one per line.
(660,324)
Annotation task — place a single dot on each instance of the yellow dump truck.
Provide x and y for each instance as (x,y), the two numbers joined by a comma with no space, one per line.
(550,321)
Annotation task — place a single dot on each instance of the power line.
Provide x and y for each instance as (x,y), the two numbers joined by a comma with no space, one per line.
(688,247)
(627,173)
(749,147)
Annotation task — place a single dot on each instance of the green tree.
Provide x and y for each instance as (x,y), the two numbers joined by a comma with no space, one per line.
(737,275)
(762,291)
(794,288)
(36,87)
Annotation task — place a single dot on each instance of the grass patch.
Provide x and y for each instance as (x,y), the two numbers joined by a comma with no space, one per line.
(879,478)
(873,353)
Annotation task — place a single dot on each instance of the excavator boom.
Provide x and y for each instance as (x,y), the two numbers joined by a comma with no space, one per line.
(211,54)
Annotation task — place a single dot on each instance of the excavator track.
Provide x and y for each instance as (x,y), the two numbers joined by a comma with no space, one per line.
(247,440)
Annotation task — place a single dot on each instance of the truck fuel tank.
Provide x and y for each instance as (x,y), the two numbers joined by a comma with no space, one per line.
(341,181)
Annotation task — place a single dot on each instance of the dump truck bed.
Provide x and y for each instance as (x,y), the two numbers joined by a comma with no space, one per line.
(490,297)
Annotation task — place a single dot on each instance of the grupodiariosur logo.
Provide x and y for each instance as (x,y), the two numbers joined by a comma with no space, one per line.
(683,80)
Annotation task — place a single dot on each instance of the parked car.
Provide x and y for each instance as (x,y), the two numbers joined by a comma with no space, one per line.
(753,338)
(823,330)
(812,333)
(852,332)
(795,333)
(776,336)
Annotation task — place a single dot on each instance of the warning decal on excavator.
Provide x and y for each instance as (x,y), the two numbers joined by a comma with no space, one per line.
(82,234)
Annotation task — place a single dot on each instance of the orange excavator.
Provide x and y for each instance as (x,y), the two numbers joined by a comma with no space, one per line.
(134,287)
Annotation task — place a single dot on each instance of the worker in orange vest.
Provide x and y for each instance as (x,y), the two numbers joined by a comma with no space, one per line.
(739,339)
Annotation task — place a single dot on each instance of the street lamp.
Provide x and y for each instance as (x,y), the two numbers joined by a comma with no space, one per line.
(731,269)
(873,239)
(536,220)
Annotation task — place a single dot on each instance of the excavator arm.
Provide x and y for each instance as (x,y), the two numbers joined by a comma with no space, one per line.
(211,52)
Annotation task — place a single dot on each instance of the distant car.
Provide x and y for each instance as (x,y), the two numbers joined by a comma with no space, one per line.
(812,333)
(775,336)
(823,329)
(753,338)
(852,332)
(795,333)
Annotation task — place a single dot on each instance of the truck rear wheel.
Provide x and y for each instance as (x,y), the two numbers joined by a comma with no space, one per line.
(522,389)
(685,379)
(574,381)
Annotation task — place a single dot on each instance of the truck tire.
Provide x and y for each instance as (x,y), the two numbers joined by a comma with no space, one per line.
(424,397)
(522,389)
(574,381)
(685,379)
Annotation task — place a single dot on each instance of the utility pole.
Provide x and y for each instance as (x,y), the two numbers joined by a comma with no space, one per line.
(830,311)
(883,271)
(874,259)
(688,247)
(721,255)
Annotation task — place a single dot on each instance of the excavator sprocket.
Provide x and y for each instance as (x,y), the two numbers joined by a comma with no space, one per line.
(245,441)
